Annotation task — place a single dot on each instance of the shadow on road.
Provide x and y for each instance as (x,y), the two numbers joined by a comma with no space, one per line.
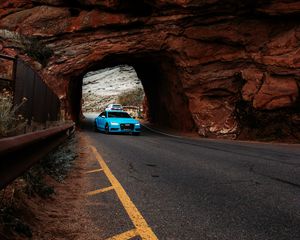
(88,121)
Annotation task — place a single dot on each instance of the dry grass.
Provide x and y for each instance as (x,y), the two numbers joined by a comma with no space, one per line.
(34,48)
(12,221)
(10,121)
(132,98)
(20,200)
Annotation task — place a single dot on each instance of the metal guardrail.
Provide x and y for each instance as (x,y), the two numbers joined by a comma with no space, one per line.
(19,153)
(131,107)
(137,110)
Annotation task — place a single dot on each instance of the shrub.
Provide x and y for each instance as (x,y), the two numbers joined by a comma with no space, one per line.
(16,220)
(132,98)
(36,49)
(10,122)
(59,162)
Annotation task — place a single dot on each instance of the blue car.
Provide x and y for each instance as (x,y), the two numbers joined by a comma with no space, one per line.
(117,122)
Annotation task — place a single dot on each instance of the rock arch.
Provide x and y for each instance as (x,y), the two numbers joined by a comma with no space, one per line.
(167,103)
(234,66)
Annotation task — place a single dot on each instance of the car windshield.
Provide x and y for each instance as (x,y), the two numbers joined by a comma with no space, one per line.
(118,115)
(117,106)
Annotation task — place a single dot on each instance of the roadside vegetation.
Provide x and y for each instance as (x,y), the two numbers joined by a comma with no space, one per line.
(35,49)
(132,98)
(13,123)
(34,187)
(10,121)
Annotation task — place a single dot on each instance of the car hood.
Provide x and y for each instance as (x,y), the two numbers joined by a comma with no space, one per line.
(123,120)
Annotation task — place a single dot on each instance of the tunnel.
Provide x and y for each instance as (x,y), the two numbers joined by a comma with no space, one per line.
(167,106)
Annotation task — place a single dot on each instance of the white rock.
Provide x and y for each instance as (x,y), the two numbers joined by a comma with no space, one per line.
(104,86)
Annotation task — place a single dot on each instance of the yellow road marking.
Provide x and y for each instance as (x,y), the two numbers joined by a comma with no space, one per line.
(136,217)
(93,171)
(125,236)
(100,191)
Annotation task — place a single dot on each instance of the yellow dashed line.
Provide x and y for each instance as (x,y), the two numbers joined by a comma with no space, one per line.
(93,171)
(136,217)
(125,235)
(100,191)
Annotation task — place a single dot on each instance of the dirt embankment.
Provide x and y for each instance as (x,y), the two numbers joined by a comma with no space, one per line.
(53,210)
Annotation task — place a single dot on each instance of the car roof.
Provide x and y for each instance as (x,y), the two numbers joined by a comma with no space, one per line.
(109,110)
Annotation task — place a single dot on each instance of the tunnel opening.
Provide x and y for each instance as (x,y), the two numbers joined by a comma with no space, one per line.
(165,105)
(118,85)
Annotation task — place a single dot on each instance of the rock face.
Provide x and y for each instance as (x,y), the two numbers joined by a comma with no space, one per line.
(103,87)
(222,68)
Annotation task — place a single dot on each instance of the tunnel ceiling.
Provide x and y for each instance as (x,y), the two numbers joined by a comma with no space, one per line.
(221,67)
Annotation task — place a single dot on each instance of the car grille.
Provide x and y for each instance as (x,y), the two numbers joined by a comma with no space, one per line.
(127,126)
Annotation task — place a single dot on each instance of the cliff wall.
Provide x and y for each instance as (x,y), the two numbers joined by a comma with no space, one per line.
(222,68)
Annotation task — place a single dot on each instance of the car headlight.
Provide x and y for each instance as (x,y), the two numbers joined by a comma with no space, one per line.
(114,124)
(137,124)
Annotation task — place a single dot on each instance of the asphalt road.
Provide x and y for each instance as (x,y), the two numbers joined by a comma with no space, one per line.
(198,188)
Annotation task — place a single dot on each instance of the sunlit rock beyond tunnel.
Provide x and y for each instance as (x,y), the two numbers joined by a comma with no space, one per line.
(166,104)
(220,68)
(119,84)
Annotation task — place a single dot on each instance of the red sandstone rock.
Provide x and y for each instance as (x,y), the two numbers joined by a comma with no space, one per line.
(197,59)
(276,93)
(279,7)
(253,79)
